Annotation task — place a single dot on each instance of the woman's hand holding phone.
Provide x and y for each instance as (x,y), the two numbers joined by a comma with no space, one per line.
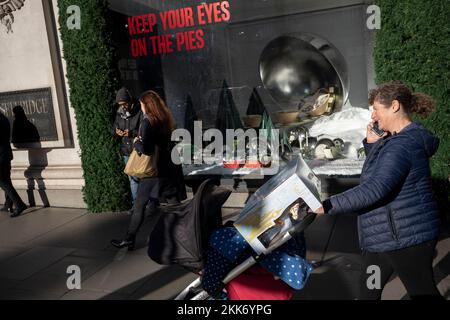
(371,135)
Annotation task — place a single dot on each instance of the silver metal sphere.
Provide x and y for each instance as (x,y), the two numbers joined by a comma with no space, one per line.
(295,66)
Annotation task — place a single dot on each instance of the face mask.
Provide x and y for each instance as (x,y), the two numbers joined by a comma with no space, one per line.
(125,111)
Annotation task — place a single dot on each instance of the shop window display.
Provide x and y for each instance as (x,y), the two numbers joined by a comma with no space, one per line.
(265,66)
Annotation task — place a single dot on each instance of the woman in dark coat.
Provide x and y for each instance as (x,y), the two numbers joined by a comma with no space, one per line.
(155,134)
(398,222)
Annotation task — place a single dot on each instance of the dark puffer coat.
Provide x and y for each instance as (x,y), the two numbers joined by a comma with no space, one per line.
(394,199)
(128,121)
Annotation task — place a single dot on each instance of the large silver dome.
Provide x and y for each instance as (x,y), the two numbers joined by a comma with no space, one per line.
(297,65)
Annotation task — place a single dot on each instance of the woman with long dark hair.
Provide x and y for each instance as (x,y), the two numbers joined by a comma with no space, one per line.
(398,222)
(155,134)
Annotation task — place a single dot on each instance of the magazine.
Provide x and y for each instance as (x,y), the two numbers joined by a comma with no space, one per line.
(294,182)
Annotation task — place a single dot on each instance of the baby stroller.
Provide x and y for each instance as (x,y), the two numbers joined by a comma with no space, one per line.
(192,235)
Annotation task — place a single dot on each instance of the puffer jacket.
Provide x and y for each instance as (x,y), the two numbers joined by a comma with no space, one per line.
(394,198)
(130,122)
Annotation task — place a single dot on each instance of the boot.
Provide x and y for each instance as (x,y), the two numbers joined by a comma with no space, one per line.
(129,241)
(18,210)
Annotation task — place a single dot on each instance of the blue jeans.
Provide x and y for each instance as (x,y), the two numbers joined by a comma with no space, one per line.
(134,182)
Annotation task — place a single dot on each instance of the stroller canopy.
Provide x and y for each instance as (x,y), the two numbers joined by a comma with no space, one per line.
(183,230)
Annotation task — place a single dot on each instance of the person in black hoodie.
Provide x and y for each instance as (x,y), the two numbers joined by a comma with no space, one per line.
(155,133)
(6,156)
(126,127)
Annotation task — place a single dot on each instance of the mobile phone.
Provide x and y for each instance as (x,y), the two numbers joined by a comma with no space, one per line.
(377,130)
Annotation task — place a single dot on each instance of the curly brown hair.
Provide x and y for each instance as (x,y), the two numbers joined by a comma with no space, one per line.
(413,103)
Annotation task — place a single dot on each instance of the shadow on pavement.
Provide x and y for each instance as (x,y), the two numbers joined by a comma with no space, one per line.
(152,283)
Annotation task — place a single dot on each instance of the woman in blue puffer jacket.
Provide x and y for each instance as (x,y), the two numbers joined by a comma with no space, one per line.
(398,222)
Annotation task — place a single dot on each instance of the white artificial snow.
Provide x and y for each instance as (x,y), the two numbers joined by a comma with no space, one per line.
(338,167)
(349,125)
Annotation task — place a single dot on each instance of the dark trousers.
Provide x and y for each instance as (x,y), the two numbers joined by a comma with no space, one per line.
(146,203)
(413,266)
(6,185)
(8,201)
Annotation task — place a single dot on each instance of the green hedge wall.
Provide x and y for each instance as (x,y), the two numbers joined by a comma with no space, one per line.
(413,45)
(91,75)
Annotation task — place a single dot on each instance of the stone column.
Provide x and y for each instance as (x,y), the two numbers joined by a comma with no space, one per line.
(47,170)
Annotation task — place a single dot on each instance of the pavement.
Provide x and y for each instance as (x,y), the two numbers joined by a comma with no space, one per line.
(37,248)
